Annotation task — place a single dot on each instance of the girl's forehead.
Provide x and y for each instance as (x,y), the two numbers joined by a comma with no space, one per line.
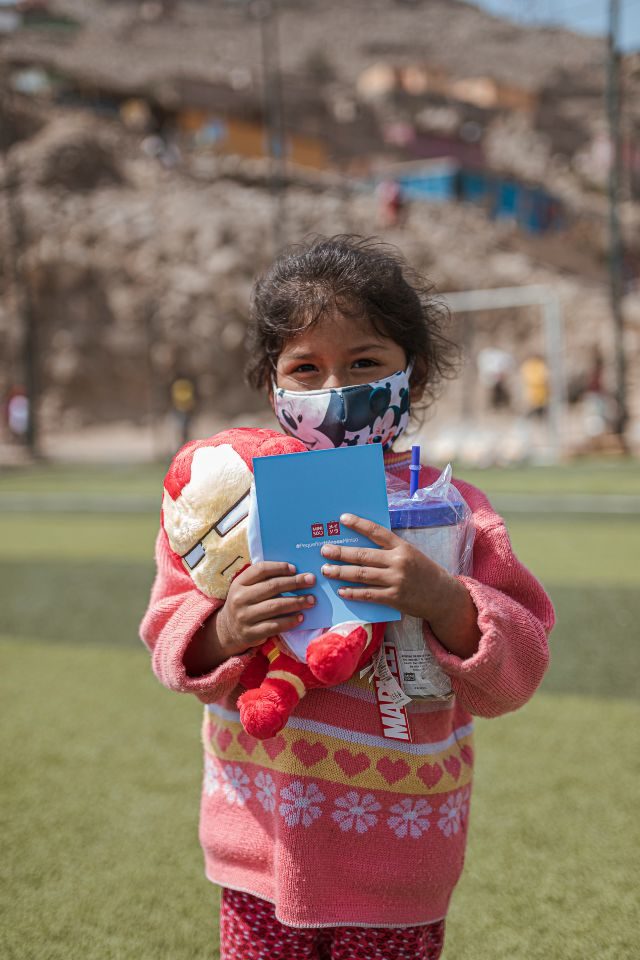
(336,332)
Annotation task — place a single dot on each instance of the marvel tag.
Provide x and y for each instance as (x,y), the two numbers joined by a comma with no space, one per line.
(391,698)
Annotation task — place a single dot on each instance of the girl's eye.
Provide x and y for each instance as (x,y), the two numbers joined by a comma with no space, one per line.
(305,368)
(365,362)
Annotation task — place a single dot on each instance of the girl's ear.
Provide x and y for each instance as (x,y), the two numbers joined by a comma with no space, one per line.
(417,380)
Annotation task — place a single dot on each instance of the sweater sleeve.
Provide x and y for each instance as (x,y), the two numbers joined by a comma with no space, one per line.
(515,617)
(176,612)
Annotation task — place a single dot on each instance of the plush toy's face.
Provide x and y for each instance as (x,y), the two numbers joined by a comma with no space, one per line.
(207,524)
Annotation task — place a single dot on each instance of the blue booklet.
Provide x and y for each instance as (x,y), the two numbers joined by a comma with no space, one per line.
(300,499)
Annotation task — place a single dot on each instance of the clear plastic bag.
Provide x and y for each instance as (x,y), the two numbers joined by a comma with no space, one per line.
(438,522)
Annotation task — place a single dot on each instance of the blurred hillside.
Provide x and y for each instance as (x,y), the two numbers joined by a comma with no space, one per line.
(140,203)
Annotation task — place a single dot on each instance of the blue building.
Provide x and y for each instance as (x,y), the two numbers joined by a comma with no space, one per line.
(503,197)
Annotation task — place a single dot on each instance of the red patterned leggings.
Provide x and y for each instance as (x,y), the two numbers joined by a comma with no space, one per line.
(249,931)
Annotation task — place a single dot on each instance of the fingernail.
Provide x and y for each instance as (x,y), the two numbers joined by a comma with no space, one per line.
(309,578)
(346,518)
(311,600)
(326,568)
(291,567)
(299,618)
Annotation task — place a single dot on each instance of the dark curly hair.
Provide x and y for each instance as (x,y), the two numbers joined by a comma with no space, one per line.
(361,278)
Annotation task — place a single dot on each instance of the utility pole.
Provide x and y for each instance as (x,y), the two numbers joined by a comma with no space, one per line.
(266,12)
(615,237)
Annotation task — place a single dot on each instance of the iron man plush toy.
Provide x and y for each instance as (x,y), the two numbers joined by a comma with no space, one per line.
(205,516)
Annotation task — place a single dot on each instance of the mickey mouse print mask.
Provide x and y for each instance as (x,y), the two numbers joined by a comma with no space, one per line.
(375,412)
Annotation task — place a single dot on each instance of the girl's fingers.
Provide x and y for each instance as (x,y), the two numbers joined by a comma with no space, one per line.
(355,556)
(265,570)
(367,594)
(271,628)
(379,535)
(372,576)
(277,607)
(273,587)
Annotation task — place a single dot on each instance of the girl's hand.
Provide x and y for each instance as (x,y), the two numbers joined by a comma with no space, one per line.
(402,577)
(398,575)
(254,611)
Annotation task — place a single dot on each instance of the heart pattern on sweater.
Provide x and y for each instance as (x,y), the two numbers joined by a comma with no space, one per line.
(224,738)
(430,773)
(393,770)
(466,752)
(247,742)
(308,753)
(274,746)
(453,766)
(351,763)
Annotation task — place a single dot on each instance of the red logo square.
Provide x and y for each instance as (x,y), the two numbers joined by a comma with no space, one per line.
(333,528)
(317,529)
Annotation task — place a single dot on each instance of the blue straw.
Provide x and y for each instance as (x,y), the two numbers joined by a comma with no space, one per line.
(415,469)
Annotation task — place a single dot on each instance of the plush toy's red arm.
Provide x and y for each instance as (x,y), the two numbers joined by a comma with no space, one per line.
(265,709)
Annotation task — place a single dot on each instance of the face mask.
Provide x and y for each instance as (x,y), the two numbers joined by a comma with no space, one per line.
(374,412)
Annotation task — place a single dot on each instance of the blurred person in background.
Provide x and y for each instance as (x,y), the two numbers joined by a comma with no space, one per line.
(391,204)
(535,384)
(494,367)
(598,405)
(183,405)
(16,413)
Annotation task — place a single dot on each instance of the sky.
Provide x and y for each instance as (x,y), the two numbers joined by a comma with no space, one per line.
(587,16)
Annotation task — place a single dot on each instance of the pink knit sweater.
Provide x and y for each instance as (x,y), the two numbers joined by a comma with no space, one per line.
(330,821)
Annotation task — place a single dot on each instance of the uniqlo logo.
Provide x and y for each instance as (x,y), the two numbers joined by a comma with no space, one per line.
(317,529)
(333,528)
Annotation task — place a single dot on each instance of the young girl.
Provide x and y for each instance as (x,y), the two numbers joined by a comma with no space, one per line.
(330,840)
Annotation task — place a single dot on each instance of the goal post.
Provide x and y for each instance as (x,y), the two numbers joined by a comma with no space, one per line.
(548,302)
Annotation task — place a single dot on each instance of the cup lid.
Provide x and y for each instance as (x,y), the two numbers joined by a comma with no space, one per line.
(426,513)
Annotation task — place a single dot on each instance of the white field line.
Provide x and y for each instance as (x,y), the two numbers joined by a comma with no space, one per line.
(624,504)
(567,503)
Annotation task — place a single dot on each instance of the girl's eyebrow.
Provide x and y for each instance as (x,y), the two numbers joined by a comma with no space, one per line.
(362,348)
(295,355)
(307,355)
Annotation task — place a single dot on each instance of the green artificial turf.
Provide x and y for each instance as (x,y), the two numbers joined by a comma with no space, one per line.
(583,476)
(57,538)
(101,782)
(596,551)
(83,478)
(551,865)
(102,765)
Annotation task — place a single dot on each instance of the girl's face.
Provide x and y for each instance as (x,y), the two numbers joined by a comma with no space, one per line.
(337,352)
